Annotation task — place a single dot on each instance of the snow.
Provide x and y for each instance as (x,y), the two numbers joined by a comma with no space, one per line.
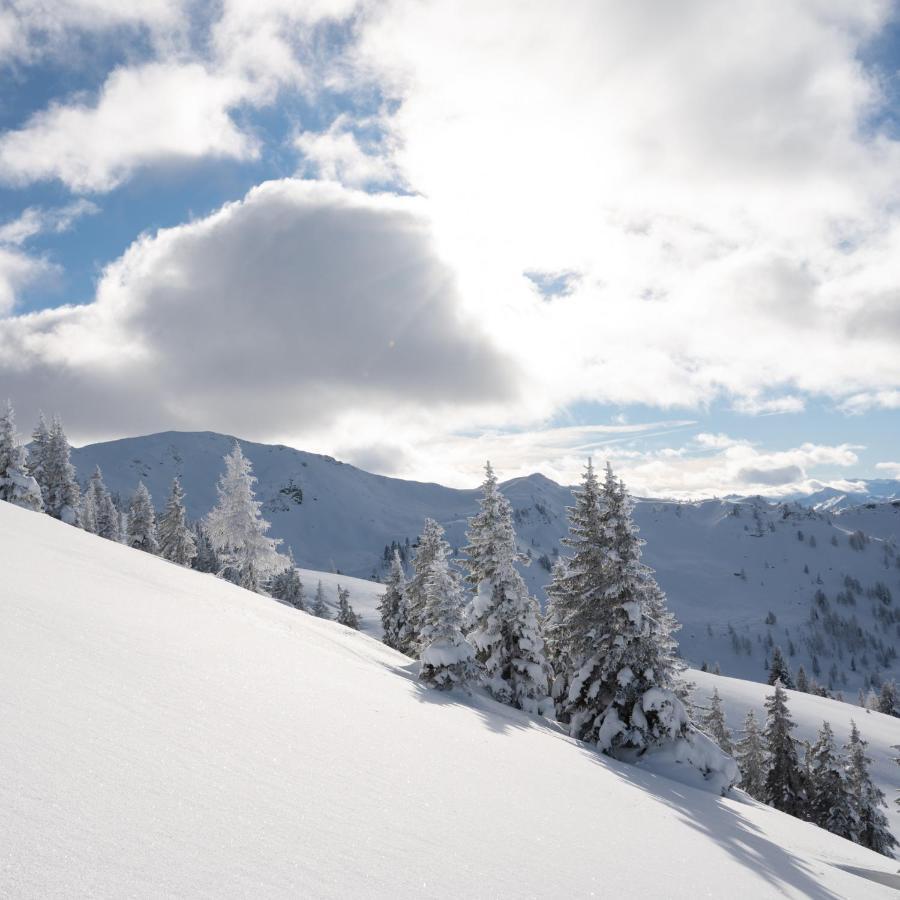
(166,733)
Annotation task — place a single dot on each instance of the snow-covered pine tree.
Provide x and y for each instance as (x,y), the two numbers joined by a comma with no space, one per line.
(447,658)
(320,607)
(236,527)
(346,615)
(779,670)
(888,699)
(867,799)
(610,630)
(504,624)
(750,753)
(427,548)
(176,542)
(829,803)
(37,452)
(142,533)
(57,478)
(16,485)
(783,788)
(287,586)
(714,724)
(98,511)
(802,680)
(392,606)
(206,560)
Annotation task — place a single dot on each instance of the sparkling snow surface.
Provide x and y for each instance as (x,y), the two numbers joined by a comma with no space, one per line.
(167,734)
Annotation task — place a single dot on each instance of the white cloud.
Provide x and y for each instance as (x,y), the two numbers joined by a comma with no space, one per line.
(891,469)
(863,402)
(298,305)
(34,221)
(17,269)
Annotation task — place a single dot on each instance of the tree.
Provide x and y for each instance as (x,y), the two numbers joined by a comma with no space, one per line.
(236,527)
(392,606)
(829,804)
(38,451)
(346,615)
(206,560)
(428,546)
(783,788)
(867,799)
(16,485)
(56,477)
(888,701)
(802,680)
(779,670)
(141,532)
(320,607)
(176,543)
(714,723)
(287,586)
(447,658)
(750,753)
(610,631)
(98,511)
(504,627)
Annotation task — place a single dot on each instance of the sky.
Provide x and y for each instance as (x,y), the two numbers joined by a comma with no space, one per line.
(417,235)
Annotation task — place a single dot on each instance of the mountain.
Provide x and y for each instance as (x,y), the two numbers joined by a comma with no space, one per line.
(742,576)
(166,733)
(879,490)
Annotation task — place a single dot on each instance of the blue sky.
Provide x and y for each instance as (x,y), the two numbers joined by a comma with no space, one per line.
(666,239)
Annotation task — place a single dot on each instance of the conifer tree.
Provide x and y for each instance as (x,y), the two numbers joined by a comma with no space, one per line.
(714,723)
(38,451)
(610,630)
(16,485)
(428,546)
(176,542)
(504,621)
(236,527)
(750,753)
(393,606)
(206,560)
(59,488)
(346,615)
(783,788)
(320,607)
(287,586)
(248,578)
(802,680)
(141,533)
(98,511)
(867,799)
(888,700)
(829,804)
(779,670)
(447,658)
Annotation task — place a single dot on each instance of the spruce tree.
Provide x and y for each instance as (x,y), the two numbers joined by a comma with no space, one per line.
(98,511)
(447,658)
(867,799)
(346,615)
(142,533)
(287,586)
(888,700)
(320,607)
(802,680)
(714,723)
(750,754)
(236,527)
(206,560)
(779,670)
(504,622)
(829,803)
(610,630)
(783,788)
(176,542)
(393,606)
(38,452)
(59,488)
(16,485)
(428,546)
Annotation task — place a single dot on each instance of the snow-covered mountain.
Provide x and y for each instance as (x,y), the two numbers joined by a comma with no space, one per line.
(166,733)
(878,490)
(742,576)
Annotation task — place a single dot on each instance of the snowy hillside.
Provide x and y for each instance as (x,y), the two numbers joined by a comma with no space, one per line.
(726,565)
(168,734)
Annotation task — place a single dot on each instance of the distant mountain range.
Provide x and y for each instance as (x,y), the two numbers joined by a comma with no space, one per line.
(728,566)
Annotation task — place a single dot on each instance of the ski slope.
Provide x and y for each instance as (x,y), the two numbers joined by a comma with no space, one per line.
(168,734)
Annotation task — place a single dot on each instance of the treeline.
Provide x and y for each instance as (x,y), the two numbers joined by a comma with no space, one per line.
(830,788)
(230,541)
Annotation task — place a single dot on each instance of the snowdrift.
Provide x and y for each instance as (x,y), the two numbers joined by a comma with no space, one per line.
(168,734)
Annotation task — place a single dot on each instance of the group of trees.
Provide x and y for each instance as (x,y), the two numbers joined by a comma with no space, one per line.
(831,789)
(603,658)
(231,541)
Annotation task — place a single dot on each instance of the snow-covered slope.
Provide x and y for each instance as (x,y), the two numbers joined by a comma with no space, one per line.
(168,734)
(724,564)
